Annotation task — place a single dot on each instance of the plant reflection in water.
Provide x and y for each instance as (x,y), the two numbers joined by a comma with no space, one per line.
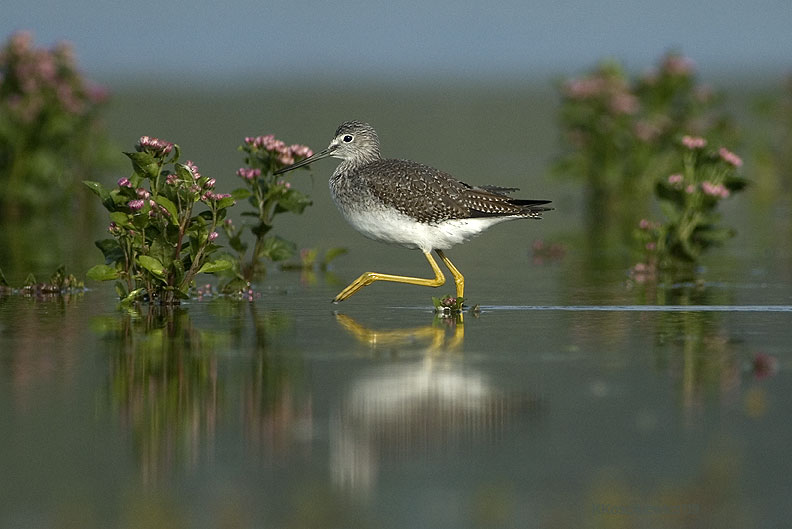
(172,384)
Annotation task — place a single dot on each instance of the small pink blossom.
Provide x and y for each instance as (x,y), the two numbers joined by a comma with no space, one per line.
(675,179)
(135,205)
(210,183)
(142,193)
(301,151)
(678,65)
(154,146)
(124,182)
(729,157)
(694,142)
(214,235)
(690,189)
(714,190)
(651,246)
(584,88)
(193,169)
(644,224)
(624,103)
(248,174)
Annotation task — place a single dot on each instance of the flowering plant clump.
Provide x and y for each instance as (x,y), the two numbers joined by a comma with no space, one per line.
(269,196)
(689,200)
(49,132)
(448,304)
(159,244)
(621,133)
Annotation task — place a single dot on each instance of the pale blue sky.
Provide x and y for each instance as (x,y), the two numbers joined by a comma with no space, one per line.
(406,38)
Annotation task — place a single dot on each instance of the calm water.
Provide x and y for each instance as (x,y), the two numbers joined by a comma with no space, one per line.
(574,399)
(292,412)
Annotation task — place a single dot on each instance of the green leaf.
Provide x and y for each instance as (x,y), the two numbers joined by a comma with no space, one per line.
(152,265)
(170,206)
(102,193)
(145,164)
(294,201)
(121,289)
(215,266)
(331,254)
(133,296)
(277,249)
(121,218)
(236,243)
(241,194)
(103,272)
(226,202)
(111,250)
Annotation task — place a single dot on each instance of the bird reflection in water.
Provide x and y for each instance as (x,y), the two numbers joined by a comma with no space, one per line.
(416,408)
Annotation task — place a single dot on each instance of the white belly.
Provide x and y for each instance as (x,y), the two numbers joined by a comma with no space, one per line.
(396,228)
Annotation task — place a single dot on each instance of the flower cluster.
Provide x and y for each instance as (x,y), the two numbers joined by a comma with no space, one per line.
(49,138)
(621,132)
(690,197)
(159,245)
(281,152)
(154,146)
(269,196)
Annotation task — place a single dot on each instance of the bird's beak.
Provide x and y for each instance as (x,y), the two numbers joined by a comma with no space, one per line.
(318,156)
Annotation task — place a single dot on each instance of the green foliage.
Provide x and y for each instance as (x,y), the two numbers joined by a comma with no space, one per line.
(59,283)
(620,133)
(268,196)
(159,243)
(50,138)
(448,304)
(689,200)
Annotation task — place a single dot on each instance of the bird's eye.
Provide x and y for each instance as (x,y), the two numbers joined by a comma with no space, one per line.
(347,138)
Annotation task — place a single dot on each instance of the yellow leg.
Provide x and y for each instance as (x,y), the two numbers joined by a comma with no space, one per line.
(458,278)
(369,277)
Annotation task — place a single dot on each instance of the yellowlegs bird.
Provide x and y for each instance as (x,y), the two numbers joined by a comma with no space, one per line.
(410,204)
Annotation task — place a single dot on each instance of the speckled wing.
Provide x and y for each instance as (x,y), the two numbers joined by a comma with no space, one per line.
(430,196)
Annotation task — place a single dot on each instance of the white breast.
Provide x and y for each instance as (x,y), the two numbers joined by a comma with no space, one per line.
(393,227)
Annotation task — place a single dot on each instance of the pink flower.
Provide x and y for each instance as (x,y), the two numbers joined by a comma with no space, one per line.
(729,157)
(644,224)
(142,193)
(624,103)
(690,189)
(124,182)
(694,142)
(210,183)
(678,65)
(675,179)
(301,151)
(714,190)
(193,169)
(155,146)
(651,246)
(214,235)
(248,174)
(135,205)
(584,88)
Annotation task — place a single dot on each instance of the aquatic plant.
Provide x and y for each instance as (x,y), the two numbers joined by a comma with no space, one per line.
(59,283)
(620,132)
(689,199)
(50,134)
(159,244)
(269,196)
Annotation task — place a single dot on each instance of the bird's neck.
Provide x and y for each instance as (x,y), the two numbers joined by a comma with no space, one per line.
(352,164)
